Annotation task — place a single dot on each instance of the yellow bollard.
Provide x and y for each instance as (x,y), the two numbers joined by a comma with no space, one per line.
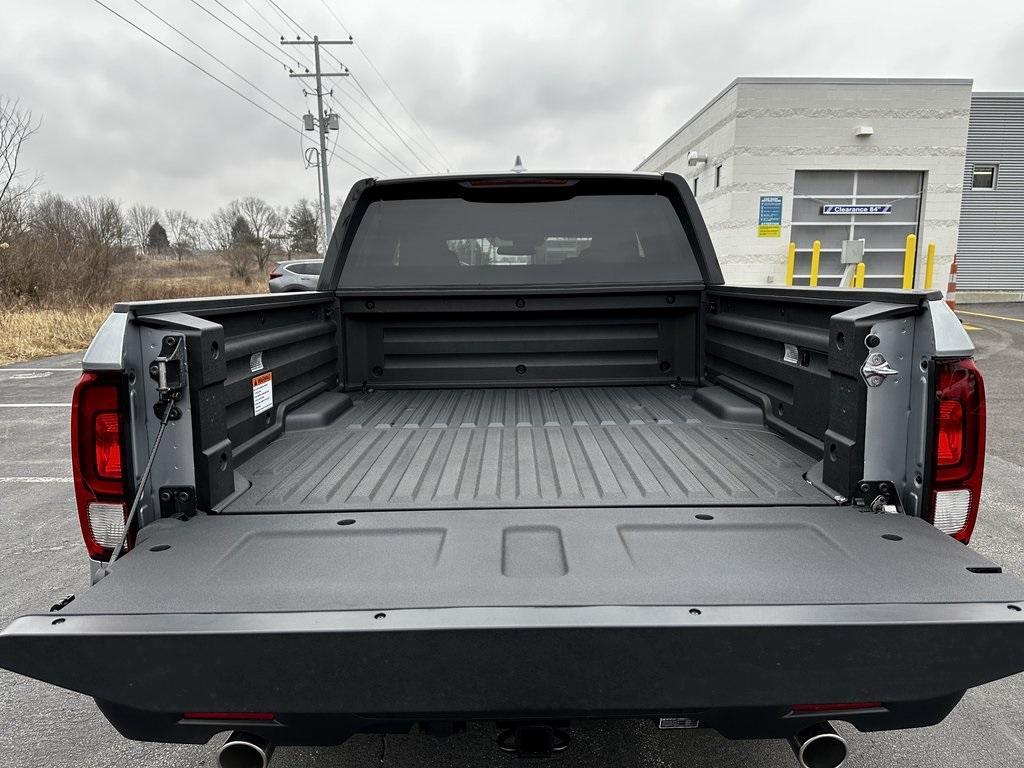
(858,276)
(815,262)
(929,267)
(908,262)
(790,263)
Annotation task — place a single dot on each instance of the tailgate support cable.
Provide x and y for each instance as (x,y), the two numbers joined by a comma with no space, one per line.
(170,391)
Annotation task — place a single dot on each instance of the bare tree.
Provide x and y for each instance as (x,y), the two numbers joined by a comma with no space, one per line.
(264,220)
(102,222)
(57,222)
(15,213)
(16,126)
(182,232)
(140,219)
(216,230)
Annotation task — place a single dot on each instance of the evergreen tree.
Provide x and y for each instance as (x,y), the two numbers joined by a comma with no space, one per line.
(302,228)
(242,235)
(156,239)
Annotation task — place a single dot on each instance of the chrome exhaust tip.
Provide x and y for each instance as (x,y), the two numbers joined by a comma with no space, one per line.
(819,746)
(243,750)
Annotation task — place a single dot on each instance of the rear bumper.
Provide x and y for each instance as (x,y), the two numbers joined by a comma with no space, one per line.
(327,674)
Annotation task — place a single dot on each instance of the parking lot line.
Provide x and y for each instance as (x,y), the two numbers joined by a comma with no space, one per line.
(49,370)
(35,480)
(35,405)
(994,317)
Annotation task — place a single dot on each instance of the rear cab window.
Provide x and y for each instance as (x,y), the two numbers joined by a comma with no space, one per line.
(532,233)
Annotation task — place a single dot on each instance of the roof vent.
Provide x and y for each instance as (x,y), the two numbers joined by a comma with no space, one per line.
(863,130)
(518,167)
(693,157)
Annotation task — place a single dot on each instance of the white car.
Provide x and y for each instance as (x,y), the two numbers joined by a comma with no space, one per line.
(299,275)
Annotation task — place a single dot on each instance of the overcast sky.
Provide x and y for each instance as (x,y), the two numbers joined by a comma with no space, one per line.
(565,84)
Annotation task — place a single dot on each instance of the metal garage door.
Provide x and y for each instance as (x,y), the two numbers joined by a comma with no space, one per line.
(896,192)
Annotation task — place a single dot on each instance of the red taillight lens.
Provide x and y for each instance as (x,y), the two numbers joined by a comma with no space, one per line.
(959,447)
(97,436)
(107,431)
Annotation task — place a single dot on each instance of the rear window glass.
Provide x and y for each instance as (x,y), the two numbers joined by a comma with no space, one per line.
(584,239)
(306,268)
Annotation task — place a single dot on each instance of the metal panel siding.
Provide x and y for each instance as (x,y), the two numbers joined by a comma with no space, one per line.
(990,248)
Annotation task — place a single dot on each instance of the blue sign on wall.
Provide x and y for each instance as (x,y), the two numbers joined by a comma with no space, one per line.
(846,210)
(769,216)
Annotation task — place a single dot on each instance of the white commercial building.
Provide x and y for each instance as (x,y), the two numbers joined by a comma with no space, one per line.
(780,160)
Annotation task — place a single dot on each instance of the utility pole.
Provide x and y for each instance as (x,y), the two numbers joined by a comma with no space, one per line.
(324,121)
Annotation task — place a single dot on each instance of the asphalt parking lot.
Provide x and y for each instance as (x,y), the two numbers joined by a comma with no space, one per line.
(42,560)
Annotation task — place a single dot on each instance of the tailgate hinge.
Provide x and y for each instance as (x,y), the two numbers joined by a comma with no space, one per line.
(879,496)
(168,371)
(178,501)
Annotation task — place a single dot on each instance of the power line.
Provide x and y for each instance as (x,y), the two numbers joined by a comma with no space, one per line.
(384,151)
(212,76)
(220,61)
(381,112)
(272,57)
(271,43)
(387,121)
(251,42)
(259,13)
(387,85)
(286,18)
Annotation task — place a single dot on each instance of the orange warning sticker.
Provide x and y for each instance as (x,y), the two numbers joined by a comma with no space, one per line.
(262,393)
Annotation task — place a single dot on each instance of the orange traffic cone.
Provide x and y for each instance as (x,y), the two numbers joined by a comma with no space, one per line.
(951,285)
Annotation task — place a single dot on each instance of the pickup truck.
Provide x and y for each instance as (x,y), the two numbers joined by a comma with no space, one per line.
(523,458)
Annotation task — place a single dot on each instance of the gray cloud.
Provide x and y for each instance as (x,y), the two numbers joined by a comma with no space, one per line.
(566,84)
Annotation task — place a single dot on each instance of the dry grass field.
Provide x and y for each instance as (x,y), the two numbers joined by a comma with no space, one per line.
(29,330)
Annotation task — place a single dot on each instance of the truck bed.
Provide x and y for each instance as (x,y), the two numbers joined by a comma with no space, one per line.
(530,447)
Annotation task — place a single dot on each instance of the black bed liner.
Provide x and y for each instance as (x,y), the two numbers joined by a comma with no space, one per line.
(528,447)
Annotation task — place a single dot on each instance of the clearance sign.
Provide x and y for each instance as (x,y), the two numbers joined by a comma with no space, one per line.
(769,216)
(882,209)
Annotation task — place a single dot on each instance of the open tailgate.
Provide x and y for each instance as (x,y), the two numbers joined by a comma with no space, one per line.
(567,612)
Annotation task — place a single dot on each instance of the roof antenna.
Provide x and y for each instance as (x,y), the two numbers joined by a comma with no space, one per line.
(518,167)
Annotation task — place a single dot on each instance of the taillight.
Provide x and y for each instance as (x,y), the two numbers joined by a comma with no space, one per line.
(97,437)
(276,272)
(958,447)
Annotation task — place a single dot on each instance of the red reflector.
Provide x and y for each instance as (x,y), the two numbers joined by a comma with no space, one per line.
(276,274)
(845,706)
(228,716)
(107,433)
(951,432)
